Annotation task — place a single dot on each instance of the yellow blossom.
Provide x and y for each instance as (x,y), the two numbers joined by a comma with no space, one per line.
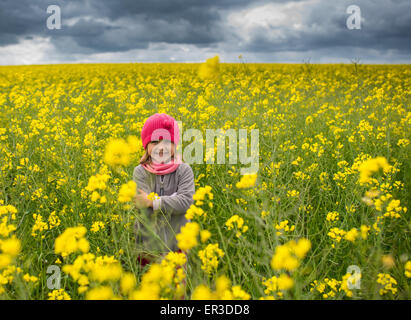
(100,293)
(408,269)
(247,181)
(210,69)
(71,240)
(59,294)
(127,191)
(210,257)
(117,153)
(187,238)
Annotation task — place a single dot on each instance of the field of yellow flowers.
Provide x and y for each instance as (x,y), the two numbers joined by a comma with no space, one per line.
(325,216)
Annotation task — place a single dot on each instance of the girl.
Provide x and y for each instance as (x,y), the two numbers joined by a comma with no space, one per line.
(161,171)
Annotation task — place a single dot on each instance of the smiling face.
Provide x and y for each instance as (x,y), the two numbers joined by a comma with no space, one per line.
(161,151)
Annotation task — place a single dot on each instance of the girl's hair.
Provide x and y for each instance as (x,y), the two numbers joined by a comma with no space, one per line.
(146,158)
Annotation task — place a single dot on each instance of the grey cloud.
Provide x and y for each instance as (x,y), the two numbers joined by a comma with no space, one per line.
(385,26)
(105,26)
(132,24)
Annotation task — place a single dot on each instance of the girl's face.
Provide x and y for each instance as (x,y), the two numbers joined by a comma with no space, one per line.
(161,151)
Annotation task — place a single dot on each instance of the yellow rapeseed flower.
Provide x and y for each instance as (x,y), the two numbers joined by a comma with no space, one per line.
(210,69)
(127,191)
(117,153)
(71,240)
(247,181)
(187,238)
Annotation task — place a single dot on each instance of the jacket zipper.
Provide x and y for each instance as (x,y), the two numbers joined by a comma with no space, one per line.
(161,187)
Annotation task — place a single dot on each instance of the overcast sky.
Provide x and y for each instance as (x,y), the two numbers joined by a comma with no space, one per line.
(194,30)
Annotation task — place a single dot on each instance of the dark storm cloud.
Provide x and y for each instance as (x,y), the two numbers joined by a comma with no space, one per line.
(18,18)
(117,25)
(102,26)
(386,25)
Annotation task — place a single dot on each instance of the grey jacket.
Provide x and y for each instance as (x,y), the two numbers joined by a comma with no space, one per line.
(157,227)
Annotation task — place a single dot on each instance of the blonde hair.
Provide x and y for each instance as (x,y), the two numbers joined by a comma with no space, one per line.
(146,158)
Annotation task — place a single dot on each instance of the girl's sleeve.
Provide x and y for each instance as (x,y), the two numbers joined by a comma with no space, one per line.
(179,203)
(139,178)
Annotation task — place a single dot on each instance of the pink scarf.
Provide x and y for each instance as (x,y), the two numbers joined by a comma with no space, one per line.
(163,168)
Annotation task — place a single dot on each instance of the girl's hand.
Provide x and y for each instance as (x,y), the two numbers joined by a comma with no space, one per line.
(141,201)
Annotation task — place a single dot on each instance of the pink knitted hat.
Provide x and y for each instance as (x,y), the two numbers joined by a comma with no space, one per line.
(158,127)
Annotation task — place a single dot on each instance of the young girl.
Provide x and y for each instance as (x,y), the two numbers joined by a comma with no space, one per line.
(161,171)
